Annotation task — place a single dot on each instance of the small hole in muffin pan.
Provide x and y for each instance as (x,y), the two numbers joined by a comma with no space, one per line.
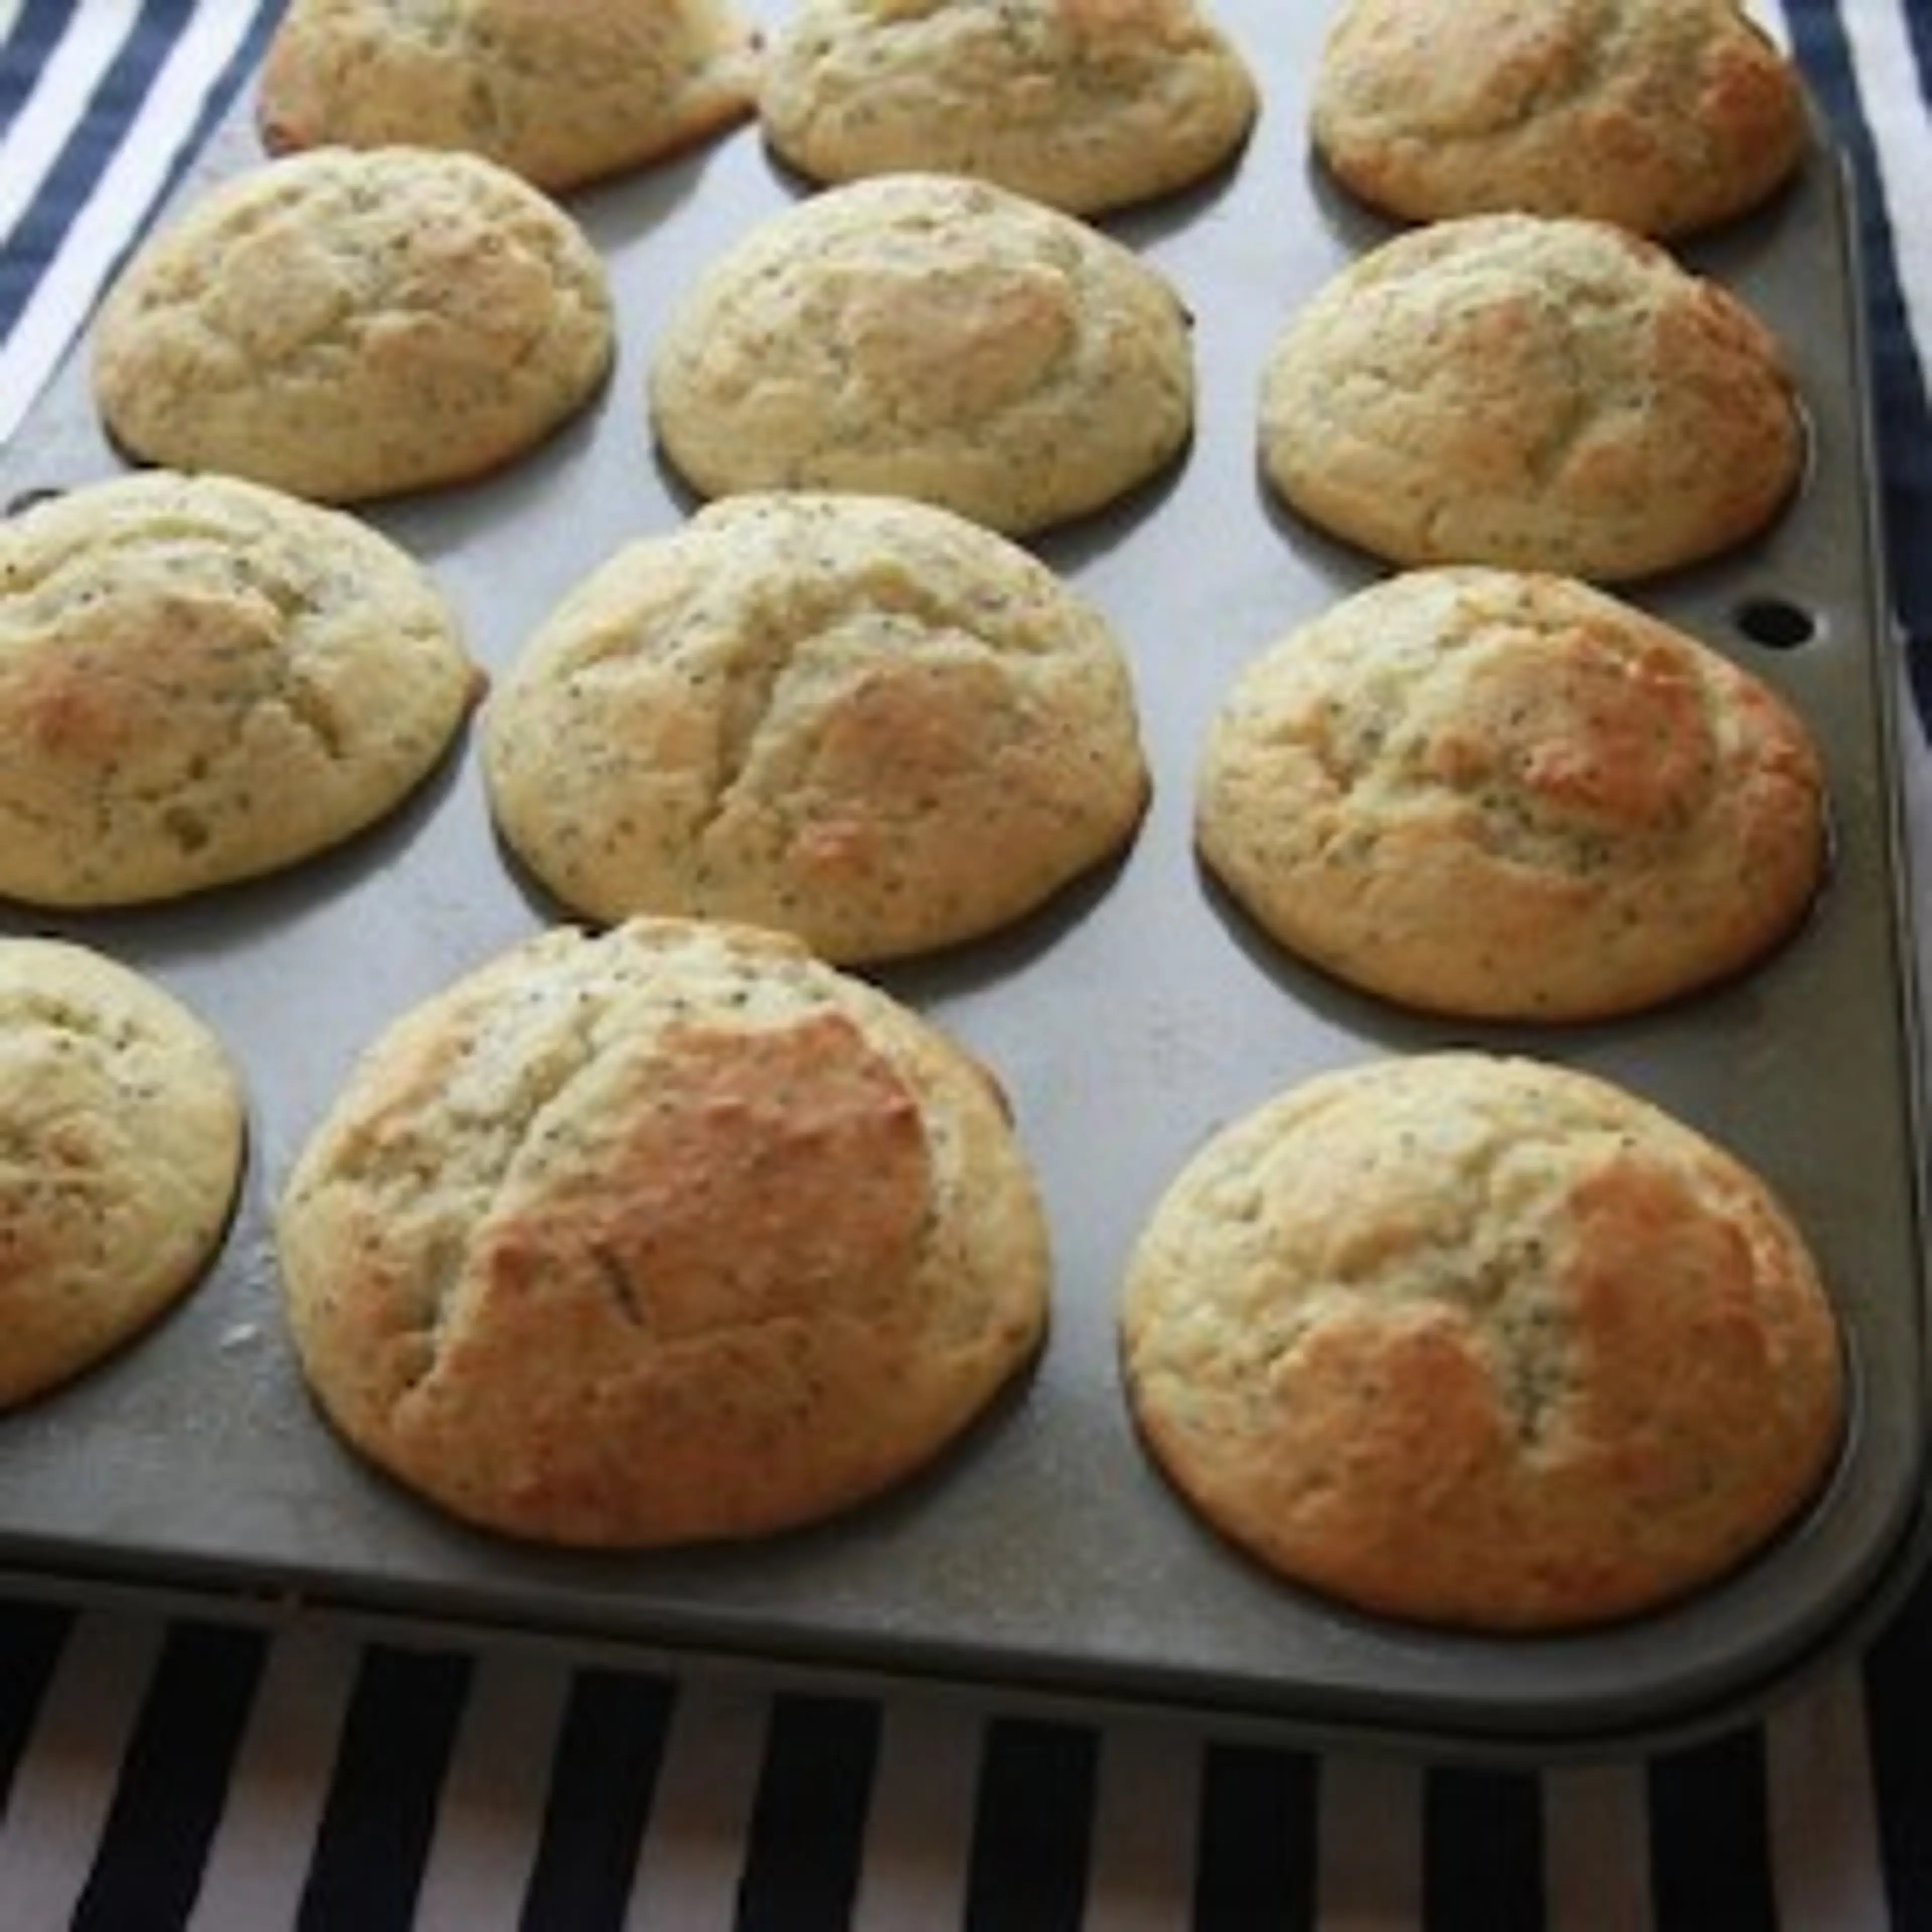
(1778,623)
(1046,1556)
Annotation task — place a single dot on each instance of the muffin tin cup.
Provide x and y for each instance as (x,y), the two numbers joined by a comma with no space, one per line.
(1044,1558)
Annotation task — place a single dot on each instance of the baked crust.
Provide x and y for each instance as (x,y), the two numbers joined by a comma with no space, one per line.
(1543,393)
(670,1235)
(863,720)
(1479,1341)
(348,324)
(1666,116)
(927,336)
(202,680)
(561,91)
(1511,797)
(122,1118)
(1086,105)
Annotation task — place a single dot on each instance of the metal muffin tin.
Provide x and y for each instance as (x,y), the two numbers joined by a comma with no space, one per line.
(1045,1556)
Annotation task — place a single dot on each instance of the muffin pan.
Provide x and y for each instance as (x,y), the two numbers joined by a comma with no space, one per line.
(1127,1022)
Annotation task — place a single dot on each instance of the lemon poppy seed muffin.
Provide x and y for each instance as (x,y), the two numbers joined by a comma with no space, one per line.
(124,1124)
(1543,393)
(1478,1341)
(1088,105)
(1509,796)
(927,336)
(204,680)
(1666,116)
(348,324)
(560,91)
(864,720)
(666,1235)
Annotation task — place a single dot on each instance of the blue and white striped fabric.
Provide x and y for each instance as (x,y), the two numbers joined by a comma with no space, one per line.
(160,1771)
(1869,63)
(161,1774)
(102,102)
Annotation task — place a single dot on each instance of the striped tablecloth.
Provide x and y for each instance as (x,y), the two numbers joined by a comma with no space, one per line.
(159,1770)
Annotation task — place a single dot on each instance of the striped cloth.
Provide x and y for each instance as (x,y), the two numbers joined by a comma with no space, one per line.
(159,1771)
(174,1773)
(102,103)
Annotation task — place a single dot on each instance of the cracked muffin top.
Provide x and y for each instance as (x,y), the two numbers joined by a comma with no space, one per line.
(1541,392)
(1666,116)
(121,1114)
(202,680)
(1088,105)
(669,1235)
(863,720)
(1475,1340)
(561,91)
(1511,797)
(352,323)
(929,336)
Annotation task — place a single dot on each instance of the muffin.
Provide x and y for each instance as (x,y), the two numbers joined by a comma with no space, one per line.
(1086,105)
(1539,392)
(349,324)
(560,91)
(1665,116)
(1478,1342)
(123,1123)
(863,720)
(202,680)
(671,1234)
(1505,796)
(927,336)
